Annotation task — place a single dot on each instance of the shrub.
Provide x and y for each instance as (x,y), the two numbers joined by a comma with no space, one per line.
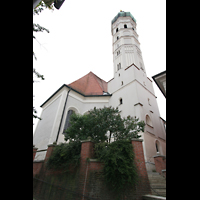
(119,170)
(65,154)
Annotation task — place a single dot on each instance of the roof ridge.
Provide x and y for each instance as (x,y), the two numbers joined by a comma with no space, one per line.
(92,81)
(101,81)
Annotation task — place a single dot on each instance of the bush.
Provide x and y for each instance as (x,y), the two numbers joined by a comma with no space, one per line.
(119,170)
(65,154)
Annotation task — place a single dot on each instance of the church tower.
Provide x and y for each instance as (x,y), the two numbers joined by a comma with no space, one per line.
(126,47)
(132,91)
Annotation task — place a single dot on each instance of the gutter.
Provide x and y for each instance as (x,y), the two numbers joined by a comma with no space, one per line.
(62,114)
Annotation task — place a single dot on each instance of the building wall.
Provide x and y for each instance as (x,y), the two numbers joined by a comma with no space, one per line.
(47,128)
(81,105)
(45,132)
(139,100)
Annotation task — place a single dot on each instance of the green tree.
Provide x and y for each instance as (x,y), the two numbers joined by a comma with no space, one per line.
(102,124)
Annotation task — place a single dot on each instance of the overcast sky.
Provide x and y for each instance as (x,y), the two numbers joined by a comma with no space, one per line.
(80,41)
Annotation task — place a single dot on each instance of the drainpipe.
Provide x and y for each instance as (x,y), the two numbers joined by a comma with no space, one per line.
(62,114)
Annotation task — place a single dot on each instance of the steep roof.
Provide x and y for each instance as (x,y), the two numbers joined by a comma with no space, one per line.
(90,84)
(122,14)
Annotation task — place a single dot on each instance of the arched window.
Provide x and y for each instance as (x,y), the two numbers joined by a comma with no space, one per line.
(148,121)
(116,30)
(125,26)
(120,101)
(67,123)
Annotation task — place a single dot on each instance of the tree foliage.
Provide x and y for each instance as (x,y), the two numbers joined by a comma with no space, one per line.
(38,28)
(102,124)
(119,168)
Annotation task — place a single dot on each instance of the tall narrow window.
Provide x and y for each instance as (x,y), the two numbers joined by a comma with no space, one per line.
(120,101)
(125,26)
(157,150)
(67,123)
(158,147)
(117,37)
(116,30)
(149,102)
(119,66)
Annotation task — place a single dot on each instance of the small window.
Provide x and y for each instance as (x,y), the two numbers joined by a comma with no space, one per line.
(125,26)
(119,66)
(133,28)
(116,30)
(117,37)
(157,150)
(149,102)
(148,121)
(122,83)
(158,147)
(120,101)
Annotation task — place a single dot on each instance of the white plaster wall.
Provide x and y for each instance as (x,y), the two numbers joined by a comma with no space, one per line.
(81,105)
(46,130)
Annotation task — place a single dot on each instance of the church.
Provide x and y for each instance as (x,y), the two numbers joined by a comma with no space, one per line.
(130,90)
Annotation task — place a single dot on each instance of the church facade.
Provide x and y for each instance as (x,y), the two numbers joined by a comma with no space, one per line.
(130,90)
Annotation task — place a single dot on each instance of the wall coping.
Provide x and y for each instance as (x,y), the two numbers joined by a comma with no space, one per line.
(88,140)
(51,145)
(94,160)
(133,139)
(136,139)
(152,197)
(159,156)
(38,161)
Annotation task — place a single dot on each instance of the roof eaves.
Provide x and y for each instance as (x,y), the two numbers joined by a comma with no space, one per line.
(64,85)
(55,93)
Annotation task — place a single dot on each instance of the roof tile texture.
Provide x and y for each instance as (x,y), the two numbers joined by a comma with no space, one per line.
(90,84)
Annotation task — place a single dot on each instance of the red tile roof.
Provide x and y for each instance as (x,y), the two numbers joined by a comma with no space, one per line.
(90,84)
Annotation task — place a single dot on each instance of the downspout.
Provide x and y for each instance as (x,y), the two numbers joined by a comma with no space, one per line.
(62,114)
